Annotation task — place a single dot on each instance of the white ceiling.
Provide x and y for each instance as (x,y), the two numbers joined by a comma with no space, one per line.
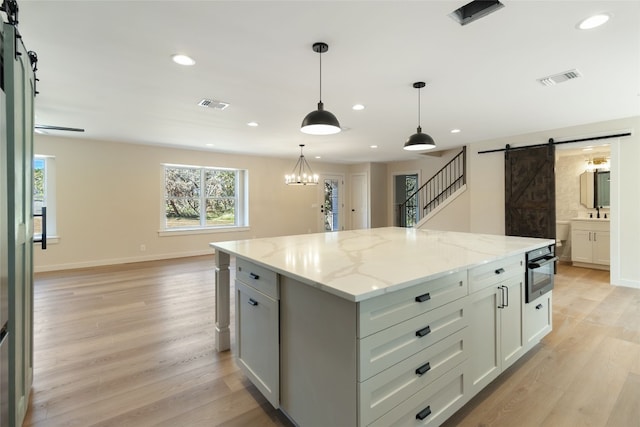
(105,66)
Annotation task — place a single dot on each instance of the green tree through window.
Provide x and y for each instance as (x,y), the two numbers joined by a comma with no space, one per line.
(199,197)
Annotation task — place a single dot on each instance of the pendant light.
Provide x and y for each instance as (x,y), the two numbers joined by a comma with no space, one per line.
(419,141)
(320,121)
(301,173)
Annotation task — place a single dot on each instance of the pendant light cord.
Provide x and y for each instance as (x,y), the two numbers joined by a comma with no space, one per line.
(419,124)
(320,53)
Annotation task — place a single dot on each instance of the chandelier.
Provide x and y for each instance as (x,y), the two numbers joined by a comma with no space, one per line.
(301,173)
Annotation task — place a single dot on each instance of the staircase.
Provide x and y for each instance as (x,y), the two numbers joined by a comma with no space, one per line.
(433,193)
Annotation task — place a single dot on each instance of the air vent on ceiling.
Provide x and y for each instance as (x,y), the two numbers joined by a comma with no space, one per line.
(475,10)
(560,78)
(211,103)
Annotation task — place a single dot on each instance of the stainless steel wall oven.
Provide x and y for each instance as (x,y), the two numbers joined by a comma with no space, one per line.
(541,265)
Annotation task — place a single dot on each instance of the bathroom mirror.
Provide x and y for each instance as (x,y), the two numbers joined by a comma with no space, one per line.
(594,189)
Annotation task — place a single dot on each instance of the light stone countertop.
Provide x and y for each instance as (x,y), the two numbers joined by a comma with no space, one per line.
(361,264)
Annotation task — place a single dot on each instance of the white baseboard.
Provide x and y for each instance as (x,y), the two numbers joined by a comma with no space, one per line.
(116,261)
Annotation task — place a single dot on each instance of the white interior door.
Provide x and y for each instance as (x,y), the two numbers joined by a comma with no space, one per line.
(359,206)
(331,202)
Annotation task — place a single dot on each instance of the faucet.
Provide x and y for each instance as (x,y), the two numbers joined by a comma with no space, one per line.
(598,210)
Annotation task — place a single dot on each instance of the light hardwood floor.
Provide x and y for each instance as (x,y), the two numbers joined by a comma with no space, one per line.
(132,345)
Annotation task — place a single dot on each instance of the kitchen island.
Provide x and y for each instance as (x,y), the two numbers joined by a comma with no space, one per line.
(377,327)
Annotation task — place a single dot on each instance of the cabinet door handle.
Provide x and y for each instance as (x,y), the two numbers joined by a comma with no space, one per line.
(501,304)
(424,413)
(422,332)
(506,290)
(594,237)
(500,271)
(252,302)
(538,307)
(423,297)
(254,276)
(589,236)
(423,369)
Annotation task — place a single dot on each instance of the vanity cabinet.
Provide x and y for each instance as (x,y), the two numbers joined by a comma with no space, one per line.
(590,243)
(496,324)
(257,327)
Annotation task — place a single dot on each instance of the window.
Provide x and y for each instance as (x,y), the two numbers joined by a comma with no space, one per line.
(204,197)
(44,191)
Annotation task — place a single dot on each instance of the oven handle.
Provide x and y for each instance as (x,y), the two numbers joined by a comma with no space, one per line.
(540,262)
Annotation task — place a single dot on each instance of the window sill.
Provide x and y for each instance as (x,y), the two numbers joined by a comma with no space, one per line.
(51,240)
(188,231)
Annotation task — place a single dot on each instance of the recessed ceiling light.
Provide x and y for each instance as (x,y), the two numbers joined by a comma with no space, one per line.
(209,145)
(183,59)
(455,130)
(318,157)
(373,146)
(252,124)
(593,21)
(358,107)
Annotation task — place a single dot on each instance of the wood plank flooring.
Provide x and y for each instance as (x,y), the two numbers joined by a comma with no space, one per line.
(132,345)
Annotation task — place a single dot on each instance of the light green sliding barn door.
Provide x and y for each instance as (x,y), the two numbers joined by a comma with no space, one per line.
(19,88)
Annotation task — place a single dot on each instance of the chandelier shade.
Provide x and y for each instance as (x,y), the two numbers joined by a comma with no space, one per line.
(419,141)
(301,173)
(320,121)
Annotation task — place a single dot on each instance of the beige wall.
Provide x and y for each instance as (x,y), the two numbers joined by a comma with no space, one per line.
(109,202)
(378,194)
(109,197)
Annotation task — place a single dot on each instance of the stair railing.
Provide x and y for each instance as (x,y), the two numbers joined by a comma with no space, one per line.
(434,192)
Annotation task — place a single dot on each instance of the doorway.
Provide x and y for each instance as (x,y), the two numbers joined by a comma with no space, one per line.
(331,202)
(404,185)
(359,208)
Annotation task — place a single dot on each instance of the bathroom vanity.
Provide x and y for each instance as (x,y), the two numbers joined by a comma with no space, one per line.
(590,243)
(387,326)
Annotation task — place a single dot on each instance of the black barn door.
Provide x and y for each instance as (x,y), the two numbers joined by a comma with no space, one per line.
(530,192)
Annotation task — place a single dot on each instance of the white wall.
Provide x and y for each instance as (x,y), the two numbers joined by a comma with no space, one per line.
(109,202)
(486,185)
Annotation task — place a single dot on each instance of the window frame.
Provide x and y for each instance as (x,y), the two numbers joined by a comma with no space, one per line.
(49,197)
(241,197)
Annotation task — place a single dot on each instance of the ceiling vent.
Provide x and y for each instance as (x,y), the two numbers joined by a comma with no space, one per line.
(560,78)
(211,103)
(475,10)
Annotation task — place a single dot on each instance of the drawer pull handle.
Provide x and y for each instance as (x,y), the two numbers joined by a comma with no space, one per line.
(423,297)
(422,332)
(252,302)
(424,413)
(500,271)
(538,307)
(423,369)
(254,276)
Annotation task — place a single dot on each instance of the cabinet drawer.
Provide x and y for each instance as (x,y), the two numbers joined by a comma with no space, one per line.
(393,386)
(260,278)
(387,310)
(389,346)
(537,319)
(493,272)
(591,225)
(432,405)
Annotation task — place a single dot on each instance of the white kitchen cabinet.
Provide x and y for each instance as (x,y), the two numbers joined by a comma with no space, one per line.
(496,324)
(332,356)
(418,359)
(257,329)
(590,243)
(537,319)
